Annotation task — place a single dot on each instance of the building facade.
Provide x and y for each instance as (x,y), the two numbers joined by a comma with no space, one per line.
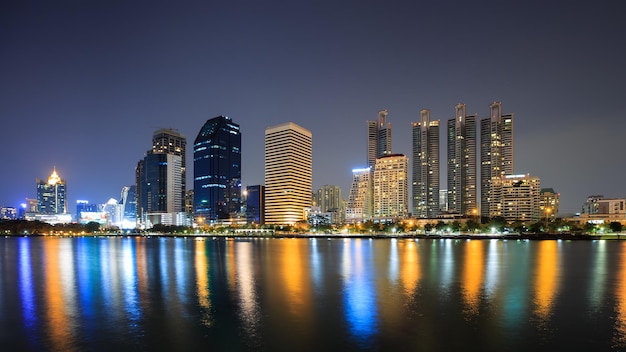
(518,196)
(378,138)
(170,141)
(360,205)
(217,171)
(549,203)
(328,199)
(425,168)
(288,173)
(159,196)
(462,158)
(496,156)
(390,184)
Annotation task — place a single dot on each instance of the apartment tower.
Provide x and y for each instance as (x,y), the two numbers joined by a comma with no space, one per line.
(378,138)
(391,188)
(496,157)
(425,183)
(462,158)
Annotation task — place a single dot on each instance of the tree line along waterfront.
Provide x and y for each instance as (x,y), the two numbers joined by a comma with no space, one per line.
(466,227)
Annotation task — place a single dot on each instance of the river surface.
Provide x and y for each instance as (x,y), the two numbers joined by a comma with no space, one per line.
(218,294)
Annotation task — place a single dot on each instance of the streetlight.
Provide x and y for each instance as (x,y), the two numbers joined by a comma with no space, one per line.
(548,210)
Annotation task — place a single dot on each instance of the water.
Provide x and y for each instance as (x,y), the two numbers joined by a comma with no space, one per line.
(183,294)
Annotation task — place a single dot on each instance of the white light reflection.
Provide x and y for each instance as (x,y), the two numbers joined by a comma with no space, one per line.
(248,305)
(361,309)
(598,278)
(202,283)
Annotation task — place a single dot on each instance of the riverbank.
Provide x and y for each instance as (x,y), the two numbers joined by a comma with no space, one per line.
(460,236)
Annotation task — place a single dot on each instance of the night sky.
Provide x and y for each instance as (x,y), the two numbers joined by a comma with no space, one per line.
(86,83)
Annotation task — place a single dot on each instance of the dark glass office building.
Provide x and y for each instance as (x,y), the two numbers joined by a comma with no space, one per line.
(217,171)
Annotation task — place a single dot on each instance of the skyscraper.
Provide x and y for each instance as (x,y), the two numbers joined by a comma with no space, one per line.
(170,141)
(288,173)
(462,158)
(160,181)
(378,138)
(391,187)
(51,195)
(217,171)
(160,200)
(425,186)
(496,156)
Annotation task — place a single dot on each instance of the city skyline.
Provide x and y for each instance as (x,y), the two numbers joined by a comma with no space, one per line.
(83,95)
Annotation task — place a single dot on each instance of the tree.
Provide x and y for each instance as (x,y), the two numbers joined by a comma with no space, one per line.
(616,226)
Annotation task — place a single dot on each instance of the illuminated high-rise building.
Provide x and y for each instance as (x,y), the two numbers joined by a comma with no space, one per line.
(160,181)
(51,195)
(288,173)
(391,187)
(378,138)
(462,158)
(425,183)
(360,205)
(170,141)
(496,156)
(217,171)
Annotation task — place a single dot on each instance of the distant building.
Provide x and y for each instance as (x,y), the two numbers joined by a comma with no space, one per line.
(496,156)
(518,197)
(51,202)
(217,171)
(8,213)
(360,206)
(443,200)
(425,183)
(328,199)
(378,138)
(288,173)
(548,203)
(51,195)
(462,157)
(128,203)
(600,205)
(90,212)
(391,199)
(255,204)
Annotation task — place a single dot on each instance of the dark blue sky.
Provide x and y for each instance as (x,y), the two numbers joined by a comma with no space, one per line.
(86,83)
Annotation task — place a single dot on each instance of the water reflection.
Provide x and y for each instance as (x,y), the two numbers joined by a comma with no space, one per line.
(473,271)
(359,290)
(546,278)
(310,294)
(619,340)
(202,283)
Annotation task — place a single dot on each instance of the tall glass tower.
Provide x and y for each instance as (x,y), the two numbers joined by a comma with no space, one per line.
(425,166)
(217,170)
(462,159)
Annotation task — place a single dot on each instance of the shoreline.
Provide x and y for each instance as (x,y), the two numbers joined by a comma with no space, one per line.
(544,236)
